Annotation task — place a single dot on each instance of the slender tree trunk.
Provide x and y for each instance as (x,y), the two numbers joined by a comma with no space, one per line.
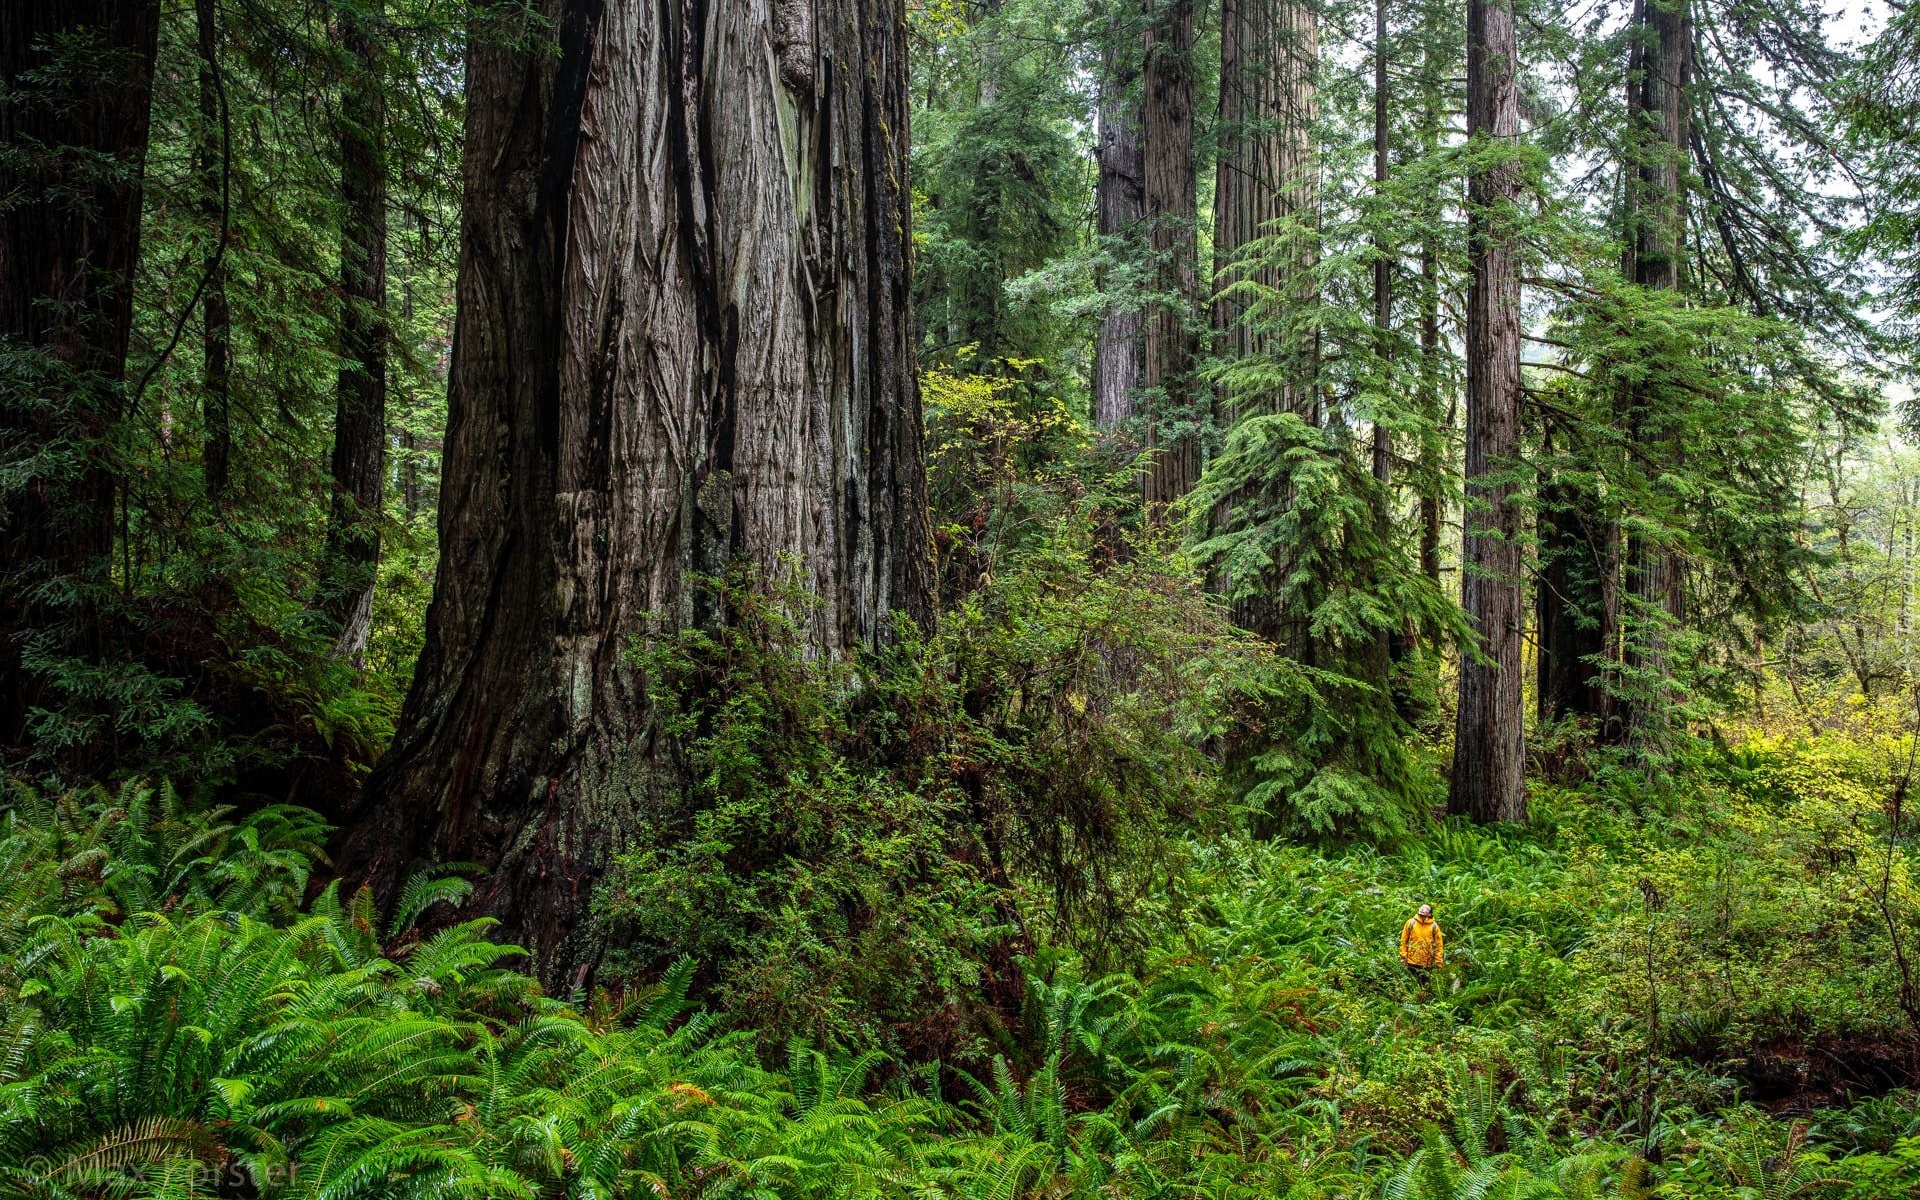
(216,325)
(1269,51)
(1171,345)
(1383,249)
(1489,753)
(360,407)
(1433,450)
(1659,76)
(1394,644)
(685,338)
(76,88)
(1433,466)
(1120,200)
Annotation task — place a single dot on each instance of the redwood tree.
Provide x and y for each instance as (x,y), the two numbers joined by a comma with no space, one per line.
(1171,343)
(1269,52)
(684,339)
(1489,751)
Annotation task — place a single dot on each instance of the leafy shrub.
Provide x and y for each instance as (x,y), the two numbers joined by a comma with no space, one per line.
(864,844)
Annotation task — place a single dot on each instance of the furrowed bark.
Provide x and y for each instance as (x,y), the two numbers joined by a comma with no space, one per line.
(78,85)
(1266,174)
(1269,53)
(1489,755)
(684,338)
(1171,344)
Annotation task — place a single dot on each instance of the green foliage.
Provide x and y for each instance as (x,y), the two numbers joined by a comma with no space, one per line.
(861,837)
(999,185)
(1292,521)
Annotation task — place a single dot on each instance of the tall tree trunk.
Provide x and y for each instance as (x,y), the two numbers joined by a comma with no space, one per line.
(216,324)
(1393,643)
(1171,345)
(1266,173)
(684,338)
(360,404)
(1120,201)
(1489,751)
(1269,57)
(1433,447)
(1433,450)
(1658,77)
(1383,249)
(76,89)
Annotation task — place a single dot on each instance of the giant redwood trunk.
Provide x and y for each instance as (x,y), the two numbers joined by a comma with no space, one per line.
(1269,56)
(1266,184)
(76,88)
(1171,343)
(1489,749)
(684,338)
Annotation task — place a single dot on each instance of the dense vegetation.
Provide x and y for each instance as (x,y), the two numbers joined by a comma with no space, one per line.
(840,599)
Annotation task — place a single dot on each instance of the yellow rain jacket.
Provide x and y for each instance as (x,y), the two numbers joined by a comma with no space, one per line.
(1422,944)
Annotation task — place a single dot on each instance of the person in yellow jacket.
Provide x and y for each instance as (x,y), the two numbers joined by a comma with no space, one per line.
(1422,946)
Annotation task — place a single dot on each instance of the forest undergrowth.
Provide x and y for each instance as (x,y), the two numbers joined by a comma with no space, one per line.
(1685,990)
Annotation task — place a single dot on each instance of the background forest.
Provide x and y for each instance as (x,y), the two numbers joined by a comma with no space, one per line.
(835,598)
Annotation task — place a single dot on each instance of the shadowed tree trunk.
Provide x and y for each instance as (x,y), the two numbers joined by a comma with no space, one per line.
(684,338)
(216,324)
(1120,201)
(1489,751)
(1171,344)
(78,86)
(1574,600)
(360,405)
(1658,76)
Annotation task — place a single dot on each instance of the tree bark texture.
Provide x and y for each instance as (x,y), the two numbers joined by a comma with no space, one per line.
(1173,420)
(1120,203)
(1266,173)
(1659,75)
(1489,754)
(359,459)
(78,87)
(1269,57)
(684,338)
(216,322)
